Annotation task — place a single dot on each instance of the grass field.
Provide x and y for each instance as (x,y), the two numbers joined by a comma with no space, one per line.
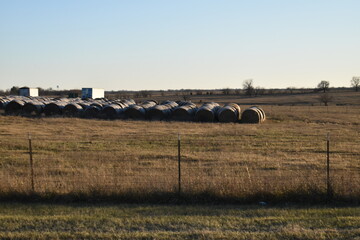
(283,97)
(283,159)
(102,221)
(80,164)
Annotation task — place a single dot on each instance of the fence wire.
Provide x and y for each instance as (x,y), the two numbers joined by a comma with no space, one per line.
(225,165)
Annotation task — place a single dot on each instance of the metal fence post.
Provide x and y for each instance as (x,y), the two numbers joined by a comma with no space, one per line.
(31,163)
(328,183)
(179,165)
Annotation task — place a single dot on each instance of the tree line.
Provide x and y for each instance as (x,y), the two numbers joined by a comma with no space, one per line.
(247,89)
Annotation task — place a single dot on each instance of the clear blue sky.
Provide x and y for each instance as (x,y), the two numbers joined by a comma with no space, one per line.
(168,44)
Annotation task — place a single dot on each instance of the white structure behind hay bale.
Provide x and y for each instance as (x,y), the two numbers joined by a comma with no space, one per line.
(231,112)
(29,92)
(92,93)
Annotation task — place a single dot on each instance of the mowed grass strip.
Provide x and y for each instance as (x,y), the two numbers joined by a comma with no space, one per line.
(130,221)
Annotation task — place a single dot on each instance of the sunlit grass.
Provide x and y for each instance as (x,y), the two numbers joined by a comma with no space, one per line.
(280,160)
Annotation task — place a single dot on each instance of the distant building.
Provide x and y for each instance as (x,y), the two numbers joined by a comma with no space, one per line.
(29,92)
(92,93)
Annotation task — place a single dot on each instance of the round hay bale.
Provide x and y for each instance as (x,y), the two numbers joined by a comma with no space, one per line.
(229,113)
(128,102)
(32,109)
(14,107)
(72,110)
(148,104)
(4,102)
(111,111)
(263,113)
(97,104)
(185,112)
(92,112)
(207,112)
(161,112)
(170,104)
(54,108)
(153,102)
(84,105)
(252,115)
(139,111)
(204,114)
(135,112)
(120,104)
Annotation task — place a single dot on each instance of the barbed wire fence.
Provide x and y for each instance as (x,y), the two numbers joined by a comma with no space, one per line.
(182,164)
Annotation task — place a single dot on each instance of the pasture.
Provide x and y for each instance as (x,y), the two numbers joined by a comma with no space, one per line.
(282,160)
(101,179)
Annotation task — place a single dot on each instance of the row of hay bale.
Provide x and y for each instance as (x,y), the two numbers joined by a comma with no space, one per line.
(231,112)
(36,106)
(128,109)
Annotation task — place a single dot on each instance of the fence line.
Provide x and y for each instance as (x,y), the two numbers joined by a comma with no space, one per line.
(184,165)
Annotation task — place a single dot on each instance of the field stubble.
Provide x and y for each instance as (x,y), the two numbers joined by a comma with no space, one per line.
(283,159)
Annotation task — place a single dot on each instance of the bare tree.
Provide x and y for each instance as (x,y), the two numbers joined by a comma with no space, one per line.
(355,83)
(325,98)
(248,87)
(323,85)
(14,90)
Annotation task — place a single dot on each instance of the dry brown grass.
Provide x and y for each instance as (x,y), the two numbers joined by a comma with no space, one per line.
(282,159)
